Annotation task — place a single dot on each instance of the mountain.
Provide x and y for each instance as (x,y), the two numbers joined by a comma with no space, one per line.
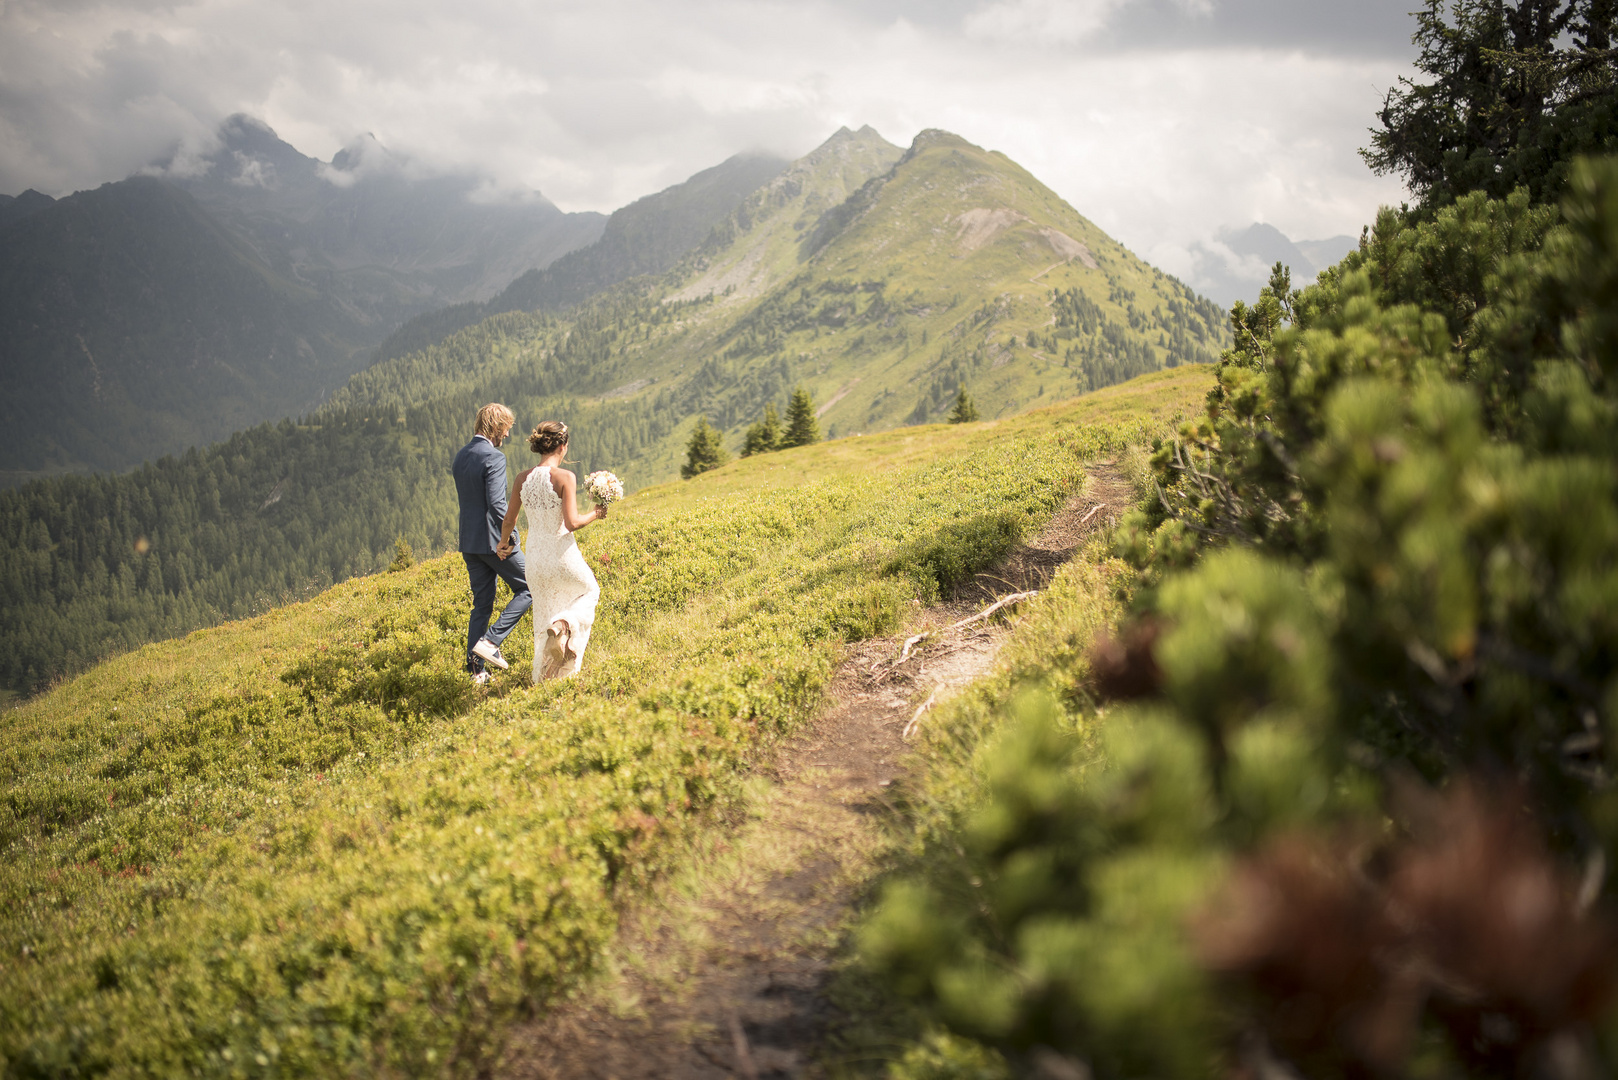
(1237,263)
(134,323)
(371,229)
(781,226)
(880,280)
(1323,253)
(169,310)
(902,273)
(17,207)
(646,237)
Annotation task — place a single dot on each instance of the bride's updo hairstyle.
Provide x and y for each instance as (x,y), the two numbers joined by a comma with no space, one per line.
(548,437)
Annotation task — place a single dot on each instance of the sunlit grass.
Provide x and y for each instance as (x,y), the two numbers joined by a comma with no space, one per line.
(302,843)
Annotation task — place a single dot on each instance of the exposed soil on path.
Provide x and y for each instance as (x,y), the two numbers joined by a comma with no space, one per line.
(722,973)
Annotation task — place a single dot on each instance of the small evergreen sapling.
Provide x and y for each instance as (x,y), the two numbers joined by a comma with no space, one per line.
(403,557)
(802,427)
(705,451)
(765,435)
(965,411)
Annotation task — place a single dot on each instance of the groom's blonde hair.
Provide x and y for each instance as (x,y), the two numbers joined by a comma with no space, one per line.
(493,417)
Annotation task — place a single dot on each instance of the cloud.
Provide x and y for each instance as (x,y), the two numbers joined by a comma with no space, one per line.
(1046,22)
(1162,120)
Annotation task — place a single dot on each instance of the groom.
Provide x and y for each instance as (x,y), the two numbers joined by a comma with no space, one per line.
(480,482)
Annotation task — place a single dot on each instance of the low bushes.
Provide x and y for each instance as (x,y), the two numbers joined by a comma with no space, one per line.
(1364,703)
(302,846)
(948,558)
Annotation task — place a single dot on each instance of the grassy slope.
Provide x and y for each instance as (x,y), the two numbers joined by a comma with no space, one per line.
(850,274)
(299,844)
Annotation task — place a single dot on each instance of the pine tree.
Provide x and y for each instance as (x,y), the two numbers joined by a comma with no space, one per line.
(1514,91)
(802,428)
(403,557)
(965,412)
(765,435)
(705,451)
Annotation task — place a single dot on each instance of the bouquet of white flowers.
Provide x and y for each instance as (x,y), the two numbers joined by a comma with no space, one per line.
(604,487)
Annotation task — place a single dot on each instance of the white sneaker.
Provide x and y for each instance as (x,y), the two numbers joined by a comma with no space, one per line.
(490,652)
(480,679)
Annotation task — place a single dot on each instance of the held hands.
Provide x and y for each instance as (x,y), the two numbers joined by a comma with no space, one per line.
(507,546)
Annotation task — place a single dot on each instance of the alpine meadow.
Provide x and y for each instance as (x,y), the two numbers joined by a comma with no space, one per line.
(1008,665)
(878,280)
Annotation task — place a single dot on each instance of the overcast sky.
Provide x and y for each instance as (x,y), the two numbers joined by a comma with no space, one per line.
(1162,120)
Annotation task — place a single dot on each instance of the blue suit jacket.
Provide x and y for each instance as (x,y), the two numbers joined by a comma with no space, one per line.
(480,482)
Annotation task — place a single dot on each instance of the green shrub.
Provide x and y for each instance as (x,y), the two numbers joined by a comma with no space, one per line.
(947,559)
(307,846)
(1387,557)
(942,1056)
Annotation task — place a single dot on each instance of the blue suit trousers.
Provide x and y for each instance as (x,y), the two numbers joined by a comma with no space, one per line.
(486,571)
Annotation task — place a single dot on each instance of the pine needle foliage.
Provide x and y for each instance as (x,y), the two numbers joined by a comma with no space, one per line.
(965,412)
(1510,94)
(1365,683)
(705,451)
(803,429)
(765,435)
(403,556)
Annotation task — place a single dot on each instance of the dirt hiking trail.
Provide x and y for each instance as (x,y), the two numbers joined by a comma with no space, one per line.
(722,972)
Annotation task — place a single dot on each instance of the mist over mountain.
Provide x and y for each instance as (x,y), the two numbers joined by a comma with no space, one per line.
(171,309)
(132,324)
(1237,262)
(646,237)
(370,227)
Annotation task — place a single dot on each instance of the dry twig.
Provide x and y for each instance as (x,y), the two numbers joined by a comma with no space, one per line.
(915,721)
(916,639)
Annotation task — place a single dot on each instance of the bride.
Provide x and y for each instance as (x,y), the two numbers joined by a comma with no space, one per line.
(565,591)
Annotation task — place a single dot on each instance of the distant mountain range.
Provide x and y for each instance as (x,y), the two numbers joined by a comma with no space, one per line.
(171,309)
(838,274)
(168,310)
(880,279)
(1237,263)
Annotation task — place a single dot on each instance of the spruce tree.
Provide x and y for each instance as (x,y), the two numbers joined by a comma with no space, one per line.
(705,451)
(765,435)
(965,412)
(1514,90)
(802,428)
(403,557)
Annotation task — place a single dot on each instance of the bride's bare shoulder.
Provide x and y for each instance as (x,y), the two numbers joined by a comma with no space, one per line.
(562,480)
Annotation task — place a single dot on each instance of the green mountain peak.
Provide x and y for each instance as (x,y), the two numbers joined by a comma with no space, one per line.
(943,265)
(881,281)
(763,242)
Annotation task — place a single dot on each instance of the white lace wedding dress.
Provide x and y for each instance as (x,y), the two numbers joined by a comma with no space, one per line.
(563,586)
